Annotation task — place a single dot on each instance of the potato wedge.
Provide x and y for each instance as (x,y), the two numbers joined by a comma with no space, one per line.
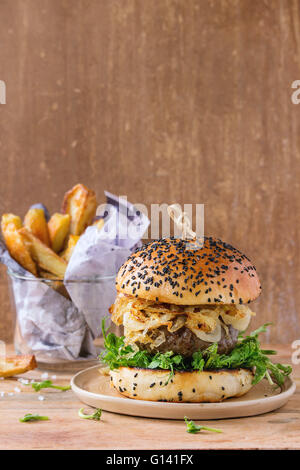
(56,285)
(58,227)
(46,275)
(35,222)
(11,219)
(80,202)
(10,224)
(39,205)
(45,258)
(13,365)
(67,253)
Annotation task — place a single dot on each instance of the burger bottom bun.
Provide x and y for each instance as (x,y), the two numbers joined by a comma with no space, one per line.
(184,386)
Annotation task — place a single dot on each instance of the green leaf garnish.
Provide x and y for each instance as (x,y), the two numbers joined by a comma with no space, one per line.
(117,354)
(246,354)
(30,417)
(37,386)
(193,428)
(96,415)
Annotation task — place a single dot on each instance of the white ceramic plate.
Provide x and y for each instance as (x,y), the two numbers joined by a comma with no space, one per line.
(94,389)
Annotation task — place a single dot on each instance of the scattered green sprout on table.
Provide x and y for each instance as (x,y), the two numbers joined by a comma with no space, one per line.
(193,428)
(37,386)
(30,417)
(96,416)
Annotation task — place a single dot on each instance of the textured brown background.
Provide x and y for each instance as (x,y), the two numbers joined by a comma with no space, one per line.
(183,101)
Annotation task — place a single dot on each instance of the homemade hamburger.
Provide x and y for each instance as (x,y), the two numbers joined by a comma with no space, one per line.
(184,305)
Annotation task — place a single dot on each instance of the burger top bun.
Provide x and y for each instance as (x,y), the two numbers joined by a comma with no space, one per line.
(186,272)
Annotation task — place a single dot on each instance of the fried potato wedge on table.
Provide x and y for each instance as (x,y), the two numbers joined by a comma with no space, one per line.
(80,202)
(35,222)
(13,365)
(58,227)
(10,225)
(45,258)
(67,253)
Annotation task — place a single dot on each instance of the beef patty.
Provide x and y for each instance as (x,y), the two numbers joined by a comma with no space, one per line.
(185,342)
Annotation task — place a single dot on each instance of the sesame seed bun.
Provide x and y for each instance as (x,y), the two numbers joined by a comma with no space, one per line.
(183,272)
(185,386)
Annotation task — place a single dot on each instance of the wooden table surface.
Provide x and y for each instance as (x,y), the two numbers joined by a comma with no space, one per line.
(65,430)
